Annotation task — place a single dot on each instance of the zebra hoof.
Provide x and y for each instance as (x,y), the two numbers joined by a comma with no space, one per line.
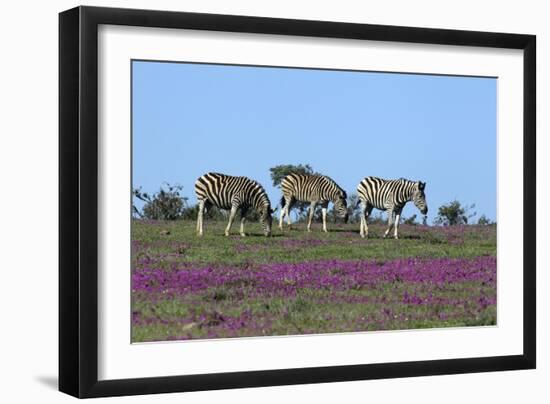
(395,237)
(243,235)
(363,236)
(226,234)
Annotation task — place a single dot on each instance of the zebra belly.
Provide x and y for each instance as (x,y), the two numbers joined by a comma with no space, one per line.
(374,204)
(220,204)
(224,206)
(307,198)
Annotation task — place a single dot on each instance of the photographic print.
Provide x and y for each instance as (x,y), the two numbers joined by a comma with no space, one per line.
(275,201)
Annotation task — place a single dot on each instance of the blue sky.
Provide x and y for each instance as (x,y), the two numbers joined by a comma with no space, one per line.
(189,119)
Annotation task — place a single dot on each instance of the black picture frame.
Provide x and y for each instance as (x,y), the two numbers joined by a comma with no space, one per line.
(78,201)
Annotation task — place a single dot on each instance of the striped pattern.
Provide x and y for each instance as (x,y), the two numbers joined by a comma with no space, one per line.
(391,196)
(315,189)
(234,194)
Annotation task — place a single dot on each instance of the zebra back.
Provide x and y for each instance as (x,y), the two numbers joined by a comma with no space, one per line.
(380,192)
(225,190)
(309,188)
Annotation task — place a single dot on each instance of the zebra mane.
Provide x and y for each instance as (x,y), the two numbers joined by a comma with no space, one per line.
(406,180)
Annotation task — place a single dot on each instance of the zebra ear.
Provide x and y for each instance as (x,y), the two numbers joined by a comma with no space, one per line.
(421,185)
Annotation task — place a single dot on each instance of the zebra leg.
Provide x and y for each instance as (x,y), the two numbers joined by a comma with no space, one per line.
(288,221)
(324,212)
(363,229)
(284,211)
(367,209)
(324,206)
(390,222)
(242,226)
(396,224)
(199,217)
(243,218)
(231,217)
(311,212)
(197,228)
(288,206)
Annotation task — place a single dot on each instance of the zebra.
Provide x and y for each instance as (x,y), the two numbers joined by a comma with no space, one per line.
(234,193)
(314,189)
(391,196)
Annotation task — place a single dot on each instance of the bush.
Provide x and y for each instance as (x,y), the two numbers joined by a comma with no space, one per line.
(354,210)
(212,212)
(484,221)
(166,204)
(453,214)
(411,220)
(376,218)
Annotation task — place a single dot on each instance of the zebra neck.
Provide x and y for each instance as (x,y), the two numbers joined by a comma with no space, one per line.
(260,202)
(410,192)
(336,195)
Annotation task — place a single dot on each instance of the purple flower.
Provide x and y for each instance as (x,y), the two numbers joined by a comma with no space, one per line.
(287,278)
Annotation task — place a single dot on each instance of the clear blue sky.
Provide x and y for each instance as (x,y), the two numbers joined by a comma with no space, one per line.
(189,119)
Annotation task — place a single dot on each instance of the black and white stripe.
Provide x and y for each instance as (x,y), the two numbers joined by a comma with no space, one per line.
(232,193)
(391,196)
(316,189)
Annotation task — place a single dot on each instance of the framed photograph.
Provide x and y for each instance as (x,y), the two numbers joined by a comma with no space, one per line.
(250,201)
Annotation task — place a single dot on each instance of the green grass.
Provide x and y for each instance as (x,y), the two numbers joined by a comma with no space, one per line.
(239,309)
(342,241)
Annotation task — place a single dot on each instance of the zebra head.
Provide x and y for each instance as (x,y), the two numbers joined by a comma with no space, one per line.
(341,207)
(419,197)
(266,219)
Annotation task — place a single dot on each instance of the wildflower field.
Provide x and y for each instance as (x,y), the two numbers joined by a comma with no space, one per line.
(186,287)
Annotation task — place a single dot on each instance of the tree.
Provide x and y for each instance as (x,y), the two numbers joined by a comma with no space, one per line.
(166,204)
(281,171)
(454,213)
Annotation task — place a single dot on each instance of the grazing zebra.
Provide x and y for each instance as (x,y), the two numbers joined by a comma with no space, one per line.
(235,193)
(315,189)
(391,196)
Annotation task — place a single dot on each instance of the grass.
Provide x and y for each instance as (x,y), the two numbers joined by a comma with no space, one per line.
(186,287)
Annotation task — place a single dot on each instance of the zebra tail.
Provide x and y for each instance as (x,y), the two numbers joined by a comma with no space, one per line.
(282,202)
